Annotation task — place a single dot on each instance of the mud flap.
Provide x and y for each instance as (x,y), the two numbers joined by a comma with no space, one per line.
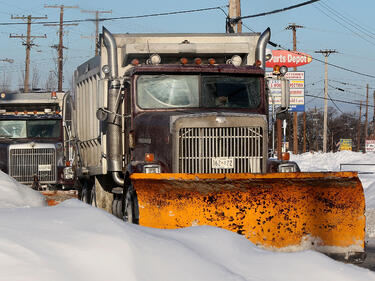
(278,211)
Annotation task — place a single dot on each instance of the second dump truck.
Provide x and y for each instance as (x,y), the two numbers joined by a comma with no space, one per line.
(172,131)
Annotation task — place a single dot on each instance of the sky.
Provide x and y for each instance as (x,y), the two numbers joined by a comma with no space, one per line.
(342,25)
(75,241)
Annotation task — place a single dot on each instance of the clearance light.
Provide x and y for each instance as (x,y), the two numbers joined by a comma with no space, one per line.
(283,70)
(211,61)
(236,60)
(198,61)
(16,112)
(53,95)
(149,157)
(276,69)
(57,112)
(154,59)
(25,112)
(35,112)
(184,61)
(258,63)
(135,62)
(67,163)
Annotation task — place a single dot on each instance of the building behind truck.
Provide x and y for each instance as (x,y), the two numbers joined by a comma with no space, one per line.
(172,131)
(35,138)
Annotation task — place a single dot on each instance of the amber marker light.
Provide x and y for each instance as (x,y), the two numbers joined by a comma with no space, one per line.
(53,95)
(149,157)
(276,69)
(258,63)
(211,61)
(198,61)
(184,61)
(135,62)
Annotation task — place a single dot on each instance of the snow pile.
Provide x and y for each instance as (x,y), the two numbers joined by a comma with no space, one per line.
(14,194)
(74,241)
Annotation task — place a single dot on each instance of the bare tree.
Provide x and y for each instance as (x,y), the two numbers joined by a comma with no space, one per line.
(5,81)
(51,82)
(21,79)
(35,78)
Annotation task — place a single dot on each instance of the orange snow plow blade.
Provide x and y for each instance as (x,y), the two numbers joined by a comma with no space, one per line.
(279,211)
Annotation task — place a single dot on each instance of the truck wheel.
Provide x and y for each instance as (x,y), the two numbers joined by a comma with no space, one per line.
(86,193)
(120,212)
(93,197)
(114,207)
(130,210)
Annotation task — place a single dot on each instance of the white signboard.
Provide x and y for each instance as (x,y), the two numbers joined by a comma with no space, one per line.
(370,145)
(297,90)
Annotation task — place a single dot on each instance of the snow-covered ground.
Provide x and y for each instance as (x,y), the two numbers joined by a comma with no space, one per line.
(74,241)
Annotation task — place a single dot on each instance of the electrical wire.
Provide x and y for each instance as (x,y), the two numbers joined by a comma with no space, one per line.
(237,19)
(336,100)
(124,17)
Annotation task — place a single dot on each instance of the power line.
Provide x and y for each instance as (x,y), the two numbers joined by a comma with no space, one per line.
(359,35)
(126,17)
(336,100)
(274,11)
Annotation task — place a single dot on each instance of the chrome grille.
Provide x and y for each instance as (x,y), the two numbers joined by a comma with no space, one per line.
(24,163)
(198,146)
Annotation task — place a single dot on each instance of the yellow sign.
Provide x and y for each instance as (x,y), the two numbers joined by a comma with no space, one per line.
(345,144)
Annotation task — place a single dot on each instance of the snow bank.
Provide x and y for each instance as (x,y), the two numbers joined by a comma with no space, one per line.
(13,194)
(74,241)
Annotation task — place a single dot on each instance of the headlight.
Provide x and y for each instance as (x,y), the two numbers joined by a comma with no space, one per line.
(287,168)
(149,169)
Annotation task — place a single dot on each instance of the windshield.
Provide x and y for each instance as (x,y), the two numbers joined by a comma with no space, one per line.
(206,91)
(30,128)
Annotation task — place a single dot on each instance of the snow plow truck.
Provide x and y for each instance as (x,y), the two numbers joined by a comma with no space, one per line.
(172,131)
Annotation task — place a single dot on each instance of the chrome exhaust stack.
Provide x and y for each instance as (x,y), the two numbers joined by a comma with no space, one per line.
(260,51)
(114,155)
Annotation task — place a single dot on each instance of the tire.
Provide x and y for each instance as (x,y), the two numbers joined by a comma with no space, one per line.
(114,207)
(119,211)
(130,209)
(93,197)
(86,193)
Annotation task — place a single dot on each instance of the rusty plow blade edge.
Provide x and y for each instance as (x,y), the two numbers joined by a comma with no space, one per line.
(279,211)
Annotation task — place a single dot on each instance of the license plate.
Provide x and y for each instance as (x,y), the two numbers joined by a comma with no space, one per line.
(44,168)
(222,163)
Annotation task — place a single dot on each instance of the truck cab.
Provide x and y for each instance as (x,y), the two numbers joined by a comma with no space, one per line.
(32,139)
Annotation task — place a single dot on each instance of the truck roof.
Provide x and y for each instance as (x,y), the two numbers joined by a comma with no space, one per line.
(185,44)
(35,98)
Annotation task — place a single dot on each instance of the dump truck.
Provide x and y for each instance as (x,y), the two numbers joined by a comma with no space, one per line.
(35,139)
(172,131)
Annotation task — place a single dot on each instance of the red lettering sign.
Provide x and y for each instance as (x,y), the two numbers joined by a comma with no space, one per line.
(289,59)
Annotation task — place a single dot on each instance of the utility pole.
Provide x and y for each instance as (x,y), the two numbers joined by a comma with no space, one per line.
(359,127)
(28,43)
(293,27)
(366,116)
(373,117)
(96,12)
(60,47)
(232,25)
(326,53)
